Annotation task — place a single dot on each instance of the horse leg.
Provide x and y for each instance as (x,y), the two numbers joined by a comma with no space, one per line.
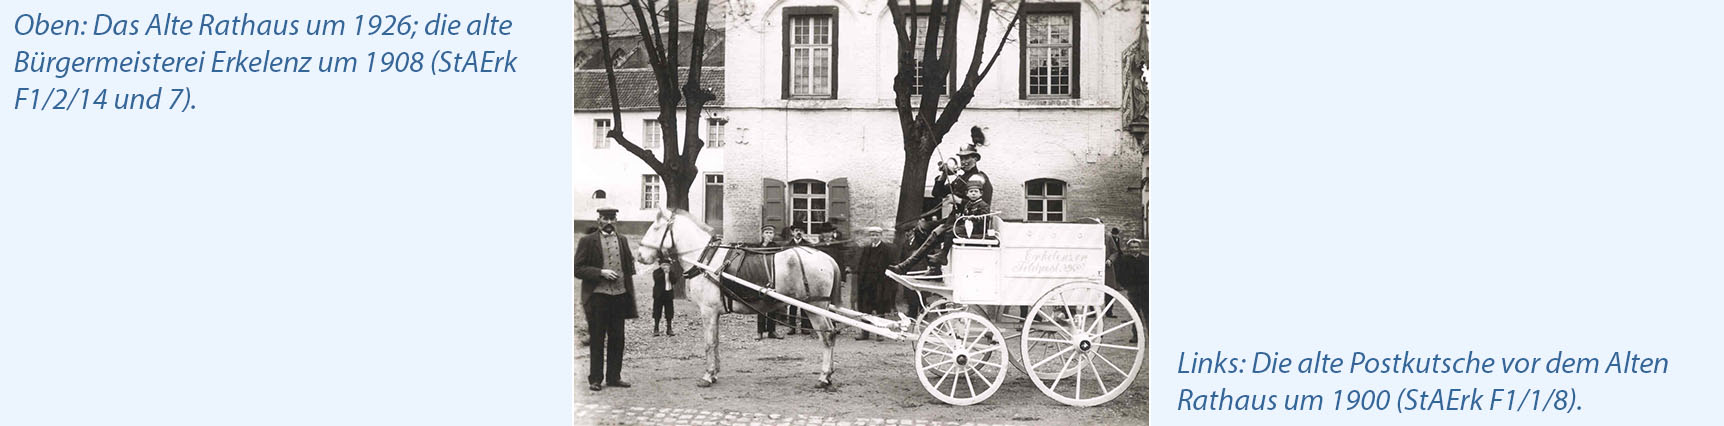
(709,320)
(828,338)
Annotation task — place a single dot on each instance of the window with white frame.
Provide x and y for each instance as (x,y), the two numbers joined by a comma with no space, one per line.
(601,133)
(807,202)
(653,135)
(715,132)
(1050,52)
(652,192)
(811,51)
(1047,200)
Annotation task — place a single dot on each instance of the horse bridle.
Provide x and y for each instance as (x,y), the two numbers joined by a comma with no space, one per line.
(670,234)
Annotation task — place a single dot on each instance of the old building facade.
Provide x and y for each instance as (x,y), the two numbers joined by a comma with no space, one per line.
(813,135)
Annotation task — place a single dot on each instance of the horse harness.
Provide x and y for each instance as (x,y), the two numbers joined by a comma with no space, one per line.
(732,292)
(735,293)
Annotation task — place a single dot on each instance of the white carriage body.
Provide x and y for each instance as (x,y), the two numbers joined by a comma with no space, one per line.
(1030,260)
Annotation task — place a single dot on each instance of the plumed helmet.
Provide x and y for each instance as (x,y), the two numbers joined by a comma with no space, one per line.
(969,150)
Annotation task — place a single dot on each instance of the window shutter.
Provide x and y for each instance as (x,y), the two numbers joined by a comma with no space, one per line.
(784,59)
(772,207)
(838,204)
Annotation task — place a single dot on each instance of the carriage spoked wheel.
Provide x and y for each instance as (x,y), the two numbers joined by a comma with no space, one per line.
(1014,333)
(960,358)
(940,307)
(1086,359)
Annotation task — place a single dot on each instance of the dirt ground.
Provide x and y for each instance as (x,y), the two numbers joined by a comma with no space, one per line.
(875,379)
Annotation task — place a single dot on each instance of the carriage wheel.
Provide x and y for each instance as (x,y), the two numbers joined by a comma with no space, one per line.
(960,358)
(1007,317)
(1073,353)
(935,310)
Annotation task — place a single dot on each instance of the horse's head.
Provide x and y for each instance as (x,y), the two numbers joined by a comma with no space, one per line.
(673,233)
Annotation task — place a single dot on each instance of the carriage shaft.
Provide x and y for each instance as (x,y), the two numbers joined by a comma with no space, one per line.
(824,312)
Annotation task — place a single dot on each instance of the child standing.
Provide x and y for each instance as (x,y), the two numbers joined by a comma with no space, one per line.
(663,298)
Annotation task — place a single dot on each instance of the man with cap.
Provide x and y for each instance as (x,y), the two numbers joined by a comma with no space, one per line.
(799,236)
(1132,269)
(763,323)
(606,268)
(874,292)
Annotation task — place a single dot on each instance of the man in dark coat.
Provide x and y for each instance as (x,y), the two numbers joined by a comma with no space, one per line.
(954,182)
(793,316)
(1132,269)
(875,294)
(764,324)
(950,187)
(606,269)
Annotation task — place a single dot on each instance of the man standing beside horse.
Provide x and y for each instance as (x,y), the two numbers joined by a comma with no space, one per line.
(606,268)
(874,292)
(766,325)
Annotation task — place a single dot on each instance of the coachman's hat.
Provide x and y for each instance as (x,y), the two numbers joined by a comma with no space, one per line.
(608,211)
(764,228)
(969,150)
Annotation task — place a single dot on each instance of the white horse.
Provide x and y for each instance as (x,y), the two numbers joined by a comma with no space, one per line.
(803,273)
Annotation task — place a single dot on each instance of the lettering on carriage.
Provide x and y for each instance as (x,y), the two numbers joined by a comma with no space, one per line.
(1048,262)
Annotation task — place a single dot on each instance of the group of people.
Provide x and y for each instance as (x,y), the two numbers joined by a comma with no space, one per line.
(866,259)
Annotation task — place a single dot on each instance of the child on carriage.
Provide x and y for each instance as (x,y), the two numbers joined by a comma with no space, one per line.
(974,220)
(978,220)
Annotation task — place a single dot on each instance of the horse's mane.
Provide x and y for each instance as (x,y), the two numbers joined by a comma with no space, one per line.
(689,217)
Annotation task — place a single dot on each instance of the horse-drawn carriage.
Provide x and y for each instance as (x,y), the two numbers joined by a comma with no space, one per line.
(1064,336)
(1036,288)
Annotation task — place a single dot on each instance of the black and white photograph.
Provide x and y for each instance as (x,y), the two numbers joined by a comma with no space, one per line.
(848,212)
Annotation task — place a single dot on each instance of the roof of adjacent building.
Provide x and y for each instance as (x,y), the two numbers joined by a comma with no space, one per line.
(636,88)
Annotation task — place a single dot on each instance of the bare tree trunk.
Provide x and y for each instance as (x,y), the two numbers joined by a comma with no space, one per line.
(675,165)
(924,124)
(914,175)
(676,191)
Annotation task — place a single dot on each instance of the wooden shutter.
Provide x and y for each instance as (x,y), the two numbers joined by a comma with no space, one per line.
(838,204)
(772,209)
(784,60)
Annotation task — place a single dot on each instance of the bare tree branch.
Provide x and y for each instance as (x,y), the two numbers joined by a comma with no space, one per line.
(898,21)
(648,31)
(961,97)
(981,42)
(949,46)
(616,132)
(931,62)
(1010,25)
(694,97)
(901,82)
(673,149)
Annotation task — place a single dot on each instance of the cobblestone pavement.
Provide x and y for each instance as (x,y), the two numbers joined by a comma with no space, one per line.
(598,414)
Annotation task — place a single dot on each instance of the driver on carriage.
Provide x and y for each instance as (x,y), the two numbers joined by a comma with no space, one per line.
(961,187)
